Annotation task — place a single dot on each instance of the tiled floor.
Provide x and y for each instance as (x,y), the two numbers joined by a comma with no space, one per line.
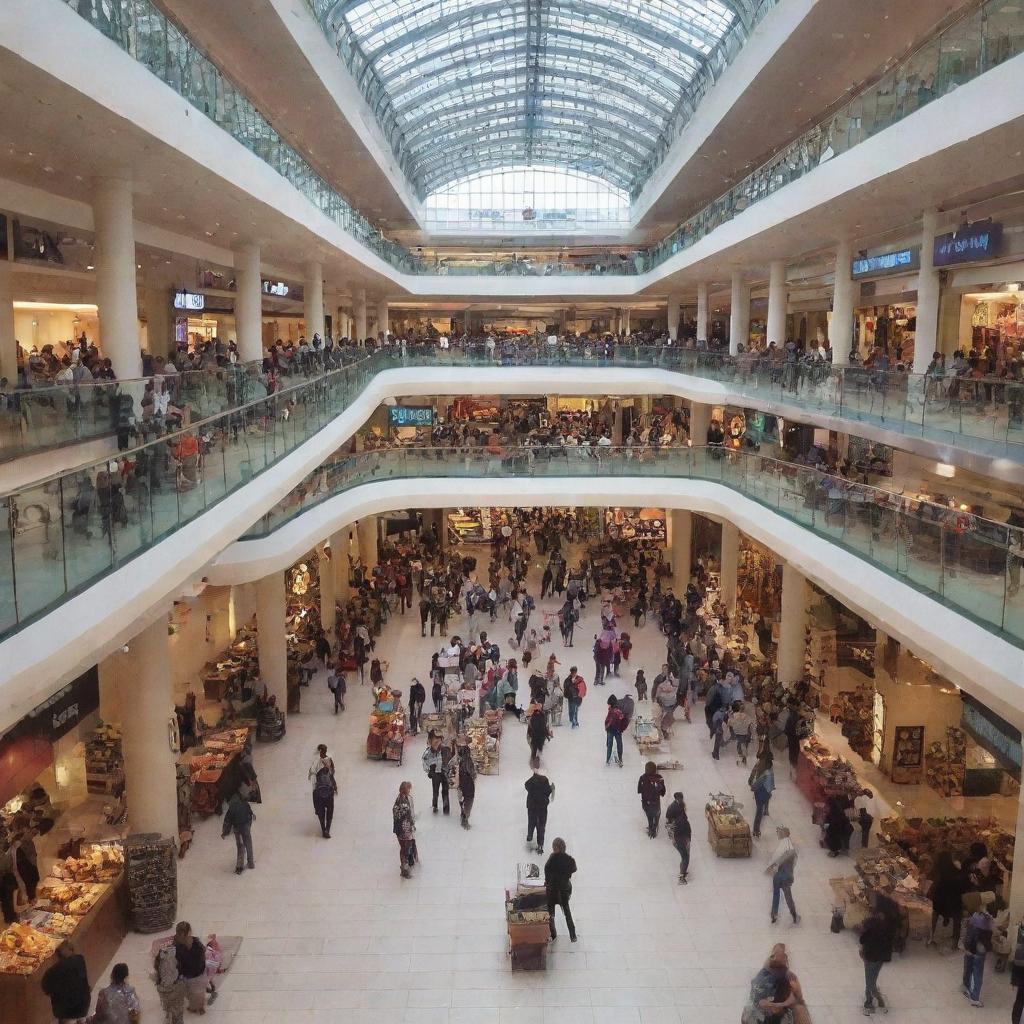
(332,933)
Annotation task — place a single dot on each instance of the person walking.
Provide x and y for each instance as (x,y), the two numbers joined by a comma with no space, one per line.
(118,1003)
(191,954)
(67,985)
(536,733)
(741,726)
(558,871)
(876,940)
(417,698)
(170,985)
(435,764)
(614,723)
(762,783)
(678,824)
(575,689)
(977,943)
(540,791)
(325,786)
(337,684)
(404,827)
(651,788)
(466,779)
(238,818)
(782,869)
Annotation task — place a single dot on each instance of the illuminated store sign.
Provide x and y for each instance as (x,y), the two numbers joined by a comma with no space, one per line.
(971,242)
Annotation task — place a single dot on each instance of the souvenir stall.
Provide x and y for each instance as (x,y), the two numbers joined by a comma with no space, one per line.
(758,579)
(993,321)
(728,833)
(485,741)
(634,525)
(820,776)
(302,622)
(921,839)
(527,920)
(81,899)
(385,740)
(218,768)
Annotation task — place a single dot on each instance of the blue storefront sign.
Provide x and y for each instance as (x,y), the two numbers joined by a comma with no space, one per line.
(995,734)
(410,415)
(967,244)
(885,263)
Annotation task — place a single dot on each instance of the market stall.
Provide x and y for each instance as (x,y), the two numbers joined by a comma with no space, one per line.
(385,740)
(728,831)
(484,736)
(820,776)
(83,900)
(218,768)
(527,920)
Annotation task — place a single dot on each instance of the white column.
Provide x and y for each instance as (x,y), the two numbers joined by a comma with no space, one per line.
(792,629)
(359,314)
(147,710)
(616,422)
(840,333)
(730,557)
(339,562)
(675,301)
(700,420)
(778,300)
(367,534)
(115,276)
(624,314)
(926,339)
(270,615)
(8,343)
(703,323)
(1016,897)
(241,606)
(159,319)
(739,312)
(314,300)
(328,590)
(680,545)
(248,304)
(383,324)
(344,324)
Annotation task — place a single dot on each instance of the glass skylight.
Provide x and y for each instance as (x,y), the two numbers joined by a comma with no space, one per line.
(594,86)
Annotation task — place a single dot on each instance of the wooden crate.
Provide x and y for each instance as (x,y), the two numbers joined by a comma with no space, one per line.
(729,840)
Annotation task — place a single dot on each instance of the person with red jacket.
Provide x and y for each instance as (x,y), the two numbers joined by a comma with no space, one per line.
(614,724)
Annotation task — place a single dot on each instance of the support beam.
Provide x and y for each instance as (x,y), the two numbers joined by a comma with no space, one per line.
(248,304)
(383,322)
(675,302)
(8,342)
(367,533)
(739,313)
(840,333)
(146,701)
(116,297)
(273,647)
(681,548)
(703,322)
(730,557)
(700,420)
(359,314)
(778,301)
(793,627)
(328,589)
(314,301)
(926,338)
(339,563)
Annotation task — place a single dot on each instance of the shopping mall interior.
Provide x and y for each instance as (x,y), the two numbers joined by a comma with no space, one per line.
(661,363)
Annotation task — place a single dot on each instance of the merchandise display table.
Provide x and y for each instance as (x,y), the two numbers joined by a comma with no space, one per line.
(385,740)
(728,831)
(527,920)
(215,768)
(96,935)
(820,776)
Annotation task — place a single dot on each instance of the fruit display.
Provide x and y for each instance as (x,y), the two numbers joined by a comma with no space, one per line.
(23,949)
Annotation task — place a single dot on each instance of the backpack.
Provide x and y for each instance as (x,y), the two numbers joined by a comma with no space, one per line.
(570,688)
(324,785)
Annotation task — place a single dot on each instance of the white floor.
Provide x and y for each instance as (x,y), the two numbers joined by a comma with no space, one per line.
(332,933)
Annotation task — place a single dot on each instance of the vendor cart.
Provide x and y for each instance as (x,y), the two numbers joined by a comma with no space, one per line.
(728,832)
(527,920)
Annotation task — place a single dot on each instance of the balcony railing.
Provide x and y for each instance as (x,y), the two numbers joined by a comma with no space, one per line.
(981,40)
(69,531)
(985,416)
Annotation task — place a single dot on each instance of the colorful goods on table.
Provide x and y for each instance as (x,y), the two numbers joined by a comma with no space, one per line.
(23,949)
(728,831)
(484,736)
(386,736)
(923,838)
(820,775)
(99,862)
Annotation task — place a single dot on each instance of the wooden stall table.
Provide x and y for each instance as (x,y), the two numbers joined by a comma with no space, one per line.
(97,937)
(728,832)
(529,932)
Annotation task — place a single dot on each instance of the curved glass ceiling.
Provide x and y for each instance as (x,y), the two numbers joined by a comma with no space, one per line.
(597,86)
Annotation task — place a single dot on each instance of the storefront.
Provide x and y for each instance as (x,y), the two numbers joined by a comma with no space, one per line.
(636,524)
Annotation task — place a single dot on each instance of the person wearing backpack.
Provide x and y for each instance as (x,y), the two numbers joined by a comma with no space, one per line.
(614,723)
(325,785)
(574,689)
(651,788)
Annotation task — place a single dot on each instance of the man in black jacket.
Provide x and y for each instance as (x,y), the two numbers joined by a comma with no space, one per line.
(539,793)
(876,940)
(238,819)
(558,872)
(67,985)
